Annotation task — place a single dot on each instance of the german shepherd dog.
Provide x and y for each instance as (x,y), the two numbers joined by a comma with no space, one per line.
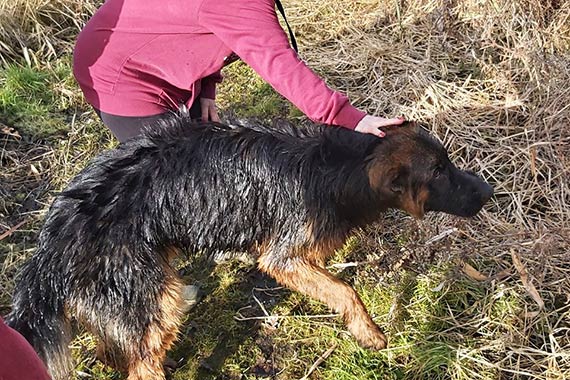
(289,197)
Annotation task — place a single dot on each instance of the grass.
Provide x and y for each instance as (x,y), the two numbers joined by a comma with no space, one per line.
(488,78)
(35,99)
(247,95)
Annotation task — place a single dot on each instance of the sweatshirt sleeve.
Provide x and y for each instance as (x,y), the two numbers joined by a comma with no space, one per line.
(251,29)
(209,85)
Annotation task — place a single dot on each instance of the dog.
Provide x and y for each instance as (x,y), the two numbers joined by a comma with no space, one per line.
(288,196)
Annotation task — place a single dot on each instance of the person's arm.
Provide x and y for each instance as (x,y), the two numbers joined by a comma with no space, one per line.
(251,29)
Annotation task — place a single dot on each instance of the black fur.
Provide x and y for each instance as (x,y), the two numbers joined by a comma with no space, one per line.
(203,187)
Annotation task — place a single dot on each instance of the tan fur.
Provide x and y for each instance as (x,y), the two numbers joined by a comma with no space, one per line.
(146,362)
(303,274)
(414,205)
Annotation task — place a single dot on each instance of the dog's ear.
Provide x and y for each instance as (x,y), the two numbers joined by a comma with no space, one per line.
(407,128)
(414,125)
(390,179)
(398,179)
(393,181)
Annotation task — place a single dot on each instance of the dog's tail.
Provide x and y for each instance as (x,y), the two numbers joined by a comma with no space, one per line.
(38,314)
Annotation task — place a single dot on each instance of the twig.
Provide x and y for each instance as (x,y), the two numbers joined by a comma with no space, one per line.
(241,318)
(270,320)
(344,265)
(441,235)
(319,361)
(12,230)
(351,264)
(261,306)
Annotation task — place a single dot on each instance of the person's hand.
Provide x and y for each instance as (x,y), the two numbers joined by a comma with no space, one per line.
(371,124)
(209,110)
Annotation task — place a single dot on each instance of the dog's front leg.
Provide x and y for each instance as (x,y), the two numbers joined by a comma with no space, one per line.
(299,274)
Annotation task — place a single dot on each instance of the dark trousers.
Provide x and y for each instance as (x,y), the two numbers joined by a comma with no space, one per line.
(125,127)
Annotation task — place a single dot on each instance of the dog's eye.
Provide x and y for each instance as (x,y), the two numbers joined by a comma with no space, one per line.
(437,171)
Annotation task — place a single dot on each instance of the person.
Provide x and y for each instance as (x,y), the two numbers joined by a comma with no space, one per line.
(137,61)
(18,360)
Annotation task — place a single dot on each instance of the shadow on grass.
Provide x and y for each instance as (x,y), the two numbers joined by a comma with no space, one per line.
(212,343)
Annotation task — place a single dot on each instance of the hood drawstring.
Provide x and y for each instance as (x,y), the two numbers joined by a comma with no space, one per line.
(282,11)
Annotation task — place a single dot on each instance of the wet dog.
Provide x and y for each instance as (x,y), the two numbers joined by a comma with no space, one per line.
(289,197)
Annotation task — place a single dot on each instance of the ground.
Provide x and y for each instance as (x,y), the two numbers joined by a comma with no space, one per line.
(485,298)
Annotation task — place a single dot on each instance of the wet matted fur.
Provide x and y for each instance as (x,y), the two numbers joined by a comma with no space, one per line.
(289,197)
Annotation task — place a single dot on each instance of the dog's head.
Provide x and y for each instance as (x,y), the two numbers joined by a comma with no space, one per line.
(413,171)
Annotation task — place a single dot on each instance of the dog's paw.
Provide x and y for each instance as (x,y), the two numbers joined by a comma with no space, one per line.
(376,341)
(368,335)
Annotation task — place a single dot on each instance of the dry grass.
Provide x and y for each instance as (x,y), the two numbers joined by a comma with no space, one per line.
(491,79)
(41,29)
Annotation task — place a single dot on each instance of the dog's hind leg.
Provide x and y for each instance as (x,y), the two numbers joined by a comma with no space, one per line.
(306,277)
(145,361)
(135,329)
(109,354)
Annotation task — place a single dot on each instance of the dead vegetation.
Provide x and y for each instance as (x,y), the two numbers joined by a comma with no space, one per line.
(491,79)
(39,30)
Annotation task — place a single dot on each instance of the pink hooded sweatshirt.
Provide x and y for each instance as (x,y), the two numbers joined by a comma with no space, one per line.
(142,58)
(18,360)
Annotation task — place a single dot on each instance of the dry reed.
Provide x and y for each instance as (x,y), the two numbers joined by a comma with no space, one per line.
(491,79)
